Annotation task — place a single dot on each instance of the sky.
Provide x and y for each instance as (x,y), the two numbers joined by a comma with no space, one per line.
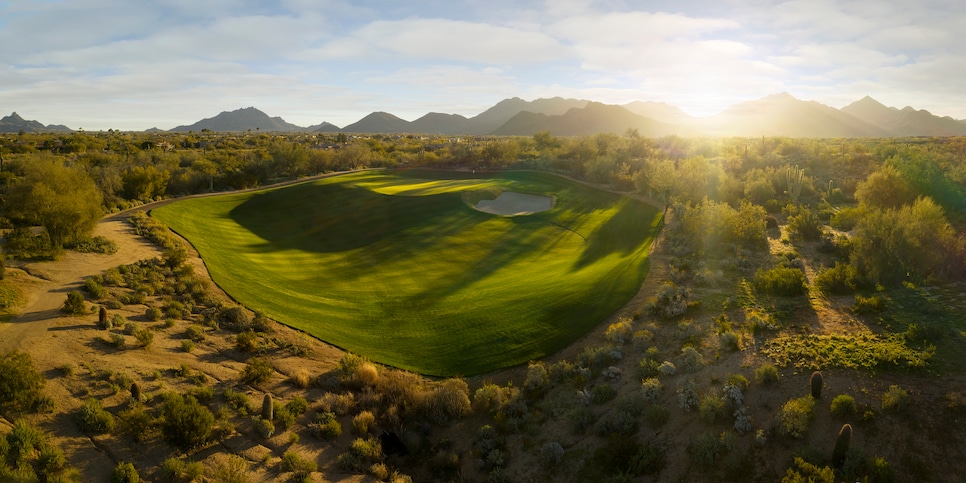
(133,65)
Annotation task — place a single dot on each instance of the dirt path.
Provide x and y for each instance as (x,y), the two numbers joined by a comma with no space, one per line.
(55,279)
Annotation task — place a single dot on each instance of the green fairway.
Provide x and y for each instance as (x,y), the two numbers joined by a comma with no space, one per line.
(398,267)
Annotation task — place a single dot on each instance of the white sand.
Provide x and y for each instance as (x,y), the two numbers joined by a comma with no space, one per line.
(513,204)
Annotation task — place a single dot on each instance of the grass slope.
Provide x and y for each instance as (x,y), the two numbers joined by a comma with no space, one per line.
(395,266)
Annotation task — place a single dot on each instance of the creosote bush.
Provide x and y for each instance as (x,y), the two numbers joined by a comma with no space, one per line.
(93,418)
(74,305)
(363,423)
(766,374)
(796,415)
(895,399)
(843,405)
(185,423)
(257,371)
(125,473)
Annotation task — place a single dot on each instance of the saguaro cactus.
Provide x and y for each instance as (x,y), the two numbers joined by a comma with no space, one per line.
(816,382)
(842,444)
(268,410)
(794,177)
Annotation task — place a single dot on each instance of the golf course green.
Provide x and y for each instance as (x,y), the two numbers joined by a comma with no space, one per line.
(399,267)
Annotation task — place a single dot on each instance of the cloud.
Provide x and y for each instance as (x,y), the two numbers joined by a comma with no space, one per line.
(442,39)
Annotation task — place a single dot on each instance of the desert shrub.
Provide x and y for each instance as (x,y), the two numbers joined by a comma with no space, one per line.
(651,389)
(50,460)
(153,314)
(195,333)
(450,400)
(631,402)
(729,341)
(489,397)
(231,469)
(174,468)
(74,305)
(602,393)
(655,416)
(691,359)
(618,422)
(185,423)
(187,345)
(292,462)
(880,471)
(176,310)
(125,473)
(796,415)
(20,382)
(487,439)
(339,404)
(766,374)
(326,426)
(551,454)
(137,423)
(667,368)
(895,399)
(93,287)
(537,378)
(239,401)
(619,332)
(868,305)
(246,341)
(841,278)
(804,224)
(363,422)
(671,301)
(642,339)
(687,395)
(598,357)
(93,418)
(362,454)
(843,405)
(560,371)
(733,394)
(921,333)
(364,373)
(257,371)
(301,379)
(803,471)
(707,450)
(22,440)
(780,281)
(647,367)
(742,420)
(711,408)
(581,419)
(144,337)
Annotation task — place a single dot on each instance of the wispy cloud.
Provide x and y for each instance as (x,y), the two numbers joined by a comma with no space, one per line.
(109,63)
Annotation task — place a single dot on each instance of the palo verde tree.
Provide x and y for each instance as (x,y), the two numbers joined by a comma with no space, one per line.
(65,201)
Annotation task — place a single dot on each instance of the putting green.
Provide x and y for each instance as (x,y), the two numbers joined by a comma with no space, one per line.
(397,266)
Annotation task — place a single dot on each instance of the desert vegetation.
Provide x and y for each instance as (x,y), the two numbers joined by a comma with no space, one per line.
(774,262)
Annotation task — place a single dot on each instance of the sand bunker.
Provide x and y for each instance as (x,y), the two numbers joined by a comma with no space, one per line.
(513,204)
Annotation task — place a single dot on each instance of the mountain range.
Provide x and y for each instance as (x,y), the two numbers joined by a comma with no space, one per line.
(775,115)
(15,123)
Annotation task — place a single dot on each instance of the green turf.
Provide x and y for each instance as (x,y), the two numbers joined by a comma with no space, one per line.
(397,267)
